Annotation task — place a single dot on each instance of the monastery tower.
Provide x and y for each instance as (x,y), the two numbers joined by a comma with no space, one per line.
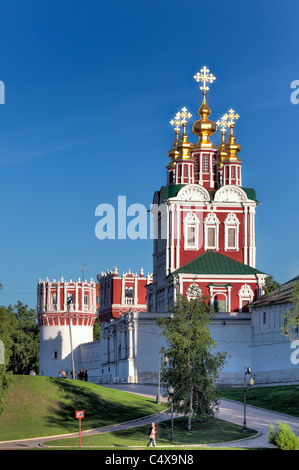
(56,332)
(205,219)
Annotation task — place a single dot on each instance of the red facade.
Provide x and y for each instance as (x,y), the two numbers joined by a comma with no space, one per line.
(52,306)
(207,220)
(119,294)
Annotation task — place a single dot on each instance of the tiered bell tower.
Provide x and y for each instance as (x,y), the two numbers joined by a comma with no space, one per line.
(205,219)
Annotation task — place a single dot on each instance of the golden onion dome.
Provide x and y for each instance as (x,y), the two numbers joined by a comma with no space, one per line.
(184,147)
(173,152)
(204,128)
(181,148)
(232,148)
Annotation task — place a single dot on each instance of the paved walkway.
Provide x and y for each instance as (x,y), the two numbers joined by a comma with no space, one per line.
(257,419)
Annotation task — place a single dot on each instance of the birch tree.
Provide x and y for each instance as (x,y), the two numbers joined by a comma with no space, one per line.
(193,364)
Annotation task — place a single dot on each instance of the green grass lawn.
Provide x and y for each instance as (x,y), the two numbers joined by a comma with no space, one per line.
(282,398)
(44,406)
(203,432)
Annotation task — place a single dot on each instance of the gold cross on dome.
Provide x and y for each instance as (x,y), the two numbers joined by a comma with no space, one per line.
(184,115)
(232,117)
(204,77)
(223,122)
(176,122)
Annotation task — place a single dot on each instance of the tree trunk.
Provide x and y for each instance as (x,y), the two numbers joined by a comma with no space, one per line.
(190,410)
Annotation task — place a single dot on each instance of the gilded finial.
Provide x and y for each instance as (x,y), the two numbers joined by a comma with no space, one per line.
(176,122)
(204,77)
(204,128)
(222,123)
(173,153)
(184,146)
(232,118)
(183,116)
(231,147)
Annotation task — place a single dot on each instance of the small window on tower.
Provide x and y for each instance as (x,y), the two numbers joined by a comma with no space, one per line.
(191,231)
(231,232)
(129,292)
(206,163)
(54,299)
(196,160)
(231,237)
(211,241)
(191,237)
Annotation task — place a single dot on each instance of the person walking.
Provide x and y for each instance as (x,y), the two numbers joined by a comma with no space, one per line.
(152,436)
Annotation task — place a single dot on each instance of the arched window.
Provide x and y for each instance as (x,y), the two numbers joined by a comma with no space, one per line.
(191,223)
(220,303)
(211,241)
(231,232)
(245,298)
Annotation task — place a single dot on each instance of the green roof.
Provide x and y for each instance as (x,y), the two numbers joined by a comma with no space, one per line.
(172,190)
(212,262)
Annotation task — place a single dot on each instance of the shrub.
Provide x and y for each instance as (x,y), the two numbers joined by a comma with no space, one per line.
(283,437)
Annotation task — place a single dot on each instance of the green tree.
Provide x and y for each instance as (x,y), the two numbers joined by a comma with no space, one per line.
(192,368)
(25,336)
(291,317)
(97,330)
(7,322)
(270,284)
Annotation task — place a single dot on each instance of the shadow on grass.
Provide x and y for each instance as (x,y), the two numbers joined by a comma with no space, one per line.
(102,406)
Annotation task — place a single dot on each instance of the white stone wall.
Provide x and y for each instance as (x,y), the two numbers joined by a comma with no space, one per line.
(55,340)
(129,349)
(271,350)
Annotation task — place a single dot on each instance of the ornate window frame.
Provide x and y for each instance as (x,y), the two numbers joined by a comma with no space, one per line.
(231,221)
(245,293)
(211,221)
(191,221)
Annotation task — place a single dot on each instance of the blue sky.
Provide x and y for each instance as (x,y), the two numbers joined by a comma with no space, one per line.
(90,88)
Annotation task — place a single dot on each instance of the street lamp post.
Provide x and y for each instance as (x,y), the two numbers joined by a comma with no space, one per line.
(250,383)
(69,302)
(171,392)
(158,399)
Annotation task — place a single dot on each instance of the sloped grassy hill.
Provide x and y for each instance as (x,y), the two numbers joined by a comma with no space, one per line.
(44,406)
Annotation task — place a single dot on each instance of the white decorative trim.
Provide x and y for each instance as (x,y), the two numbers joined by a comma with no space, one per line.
(189,221)
(245,293)
(193,292)
(230,193)
(211,221)
(191,218)
(231,221)
(193,192)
